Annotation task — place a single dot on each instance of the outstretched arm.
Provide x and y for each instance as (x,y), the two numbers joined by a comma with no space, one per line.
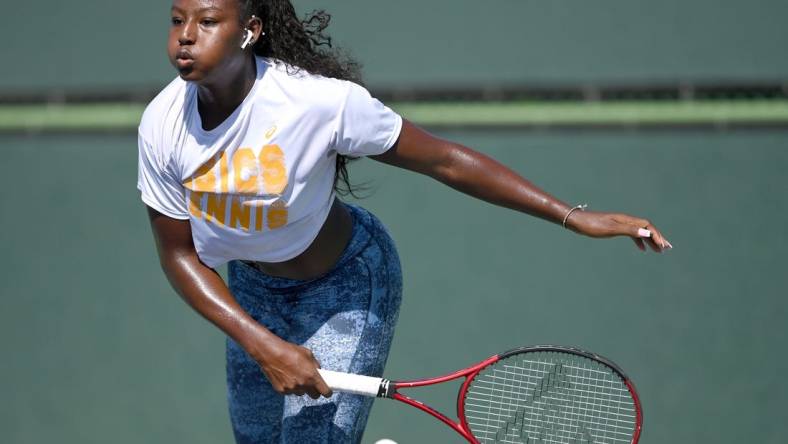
(480,176)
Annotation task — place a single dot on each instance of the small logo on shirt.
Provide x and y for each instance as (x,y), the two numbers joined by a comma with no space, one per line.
(270,132)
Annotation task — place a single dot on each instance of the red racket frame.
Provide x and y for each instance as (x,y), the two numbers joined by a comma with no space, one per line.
(470,373)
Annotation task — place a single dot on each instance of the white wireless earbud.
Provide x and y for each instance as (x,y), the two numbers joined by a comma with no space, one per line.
(248,39)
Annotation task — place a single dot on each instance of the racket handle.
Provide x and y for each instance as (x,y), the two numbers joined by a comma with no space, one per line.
(350,383)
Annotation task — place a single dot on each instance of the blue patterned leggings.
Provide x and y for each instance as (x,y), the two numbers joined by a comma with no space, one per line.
(346,318)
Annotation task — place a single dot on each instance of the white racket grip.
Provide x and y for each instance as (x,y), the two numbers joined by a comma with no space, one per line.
(350,383)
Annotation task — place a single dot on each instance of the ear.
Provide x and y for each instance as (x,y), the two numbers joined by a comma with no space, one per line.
(255,25)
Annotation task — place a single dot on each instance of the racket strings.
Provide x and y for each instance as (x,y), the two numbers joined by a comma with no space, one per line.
(549,397)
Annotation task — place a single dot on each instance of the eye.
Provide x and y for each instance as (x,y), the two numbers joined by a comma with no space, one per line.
(176,20)
(208,22)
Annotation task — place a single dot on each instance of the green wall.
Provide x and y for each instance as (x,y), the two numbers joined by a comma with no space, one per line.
(104,45)
(97,348)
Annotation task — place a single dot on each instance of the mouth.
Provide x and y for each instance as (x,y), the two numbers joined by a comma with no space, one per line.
(183,59)
(183,53)
(182,63)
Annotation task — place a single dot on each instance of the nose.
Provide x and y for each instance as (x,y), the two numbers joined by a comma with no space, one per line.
(186,36)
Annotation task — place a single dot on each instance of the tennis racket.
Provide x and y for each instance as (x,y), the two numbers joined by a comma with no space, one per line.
(540,394)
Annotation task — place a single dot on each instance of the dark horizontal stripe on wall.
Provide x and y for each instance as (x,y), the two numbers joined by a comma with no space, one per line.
(712,90)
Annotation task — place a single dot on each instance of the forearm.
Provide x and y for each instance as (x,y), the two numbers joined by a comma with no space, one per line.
(290,368)
(205,291)
(480,176)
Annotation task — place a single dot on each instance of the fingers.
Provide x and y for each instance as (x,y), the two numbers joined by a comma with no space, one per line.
(323,388)
(318,386)
(650,239)
(294,372)
(314,387)
(659,239)
(646,233)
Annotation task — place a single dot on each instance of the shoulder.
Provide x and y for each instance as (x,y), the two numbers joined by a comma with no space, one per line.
(159,120)
(319,93)
(168,102)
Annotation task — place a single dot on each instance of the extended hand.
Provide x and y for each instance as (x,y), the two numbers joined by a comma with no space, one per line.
(292,370)
(596,224)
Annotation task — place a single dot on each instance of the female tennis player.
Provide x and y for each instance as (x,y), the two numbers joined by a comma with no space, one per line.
(240,160)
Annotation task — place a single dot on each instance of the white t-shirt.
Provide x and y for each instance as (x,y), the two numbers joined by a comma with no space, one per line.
(260,185)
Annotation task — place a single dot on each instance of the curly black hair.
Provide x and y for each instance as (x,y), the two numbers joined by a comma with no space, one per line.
(303,44)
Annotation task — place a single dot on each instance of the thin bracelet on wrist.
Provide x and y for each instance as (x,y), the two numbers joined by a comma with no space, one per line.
(581,207)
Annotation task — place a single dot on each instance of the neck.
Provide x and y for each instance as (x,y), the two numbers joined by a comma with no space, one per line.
(227,91)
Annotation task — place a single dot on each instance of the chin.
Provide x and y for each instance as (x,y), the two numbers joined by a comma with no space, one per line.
(190,74)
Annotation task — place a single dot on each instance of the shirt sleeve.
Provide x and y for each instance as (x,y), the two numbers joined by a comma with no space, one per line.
(159,188)
(365,126)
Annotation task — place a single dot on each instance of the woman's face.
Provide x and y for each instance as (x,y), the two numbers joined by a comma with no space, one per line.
(205,37)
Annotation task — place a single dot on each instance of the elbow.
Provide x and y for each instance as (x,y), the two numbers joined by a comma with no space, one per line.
(451,164)
(174,262)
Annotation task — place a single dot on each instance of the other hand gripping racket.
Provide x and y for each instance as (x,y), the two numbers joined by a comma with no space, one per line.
(540,394)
